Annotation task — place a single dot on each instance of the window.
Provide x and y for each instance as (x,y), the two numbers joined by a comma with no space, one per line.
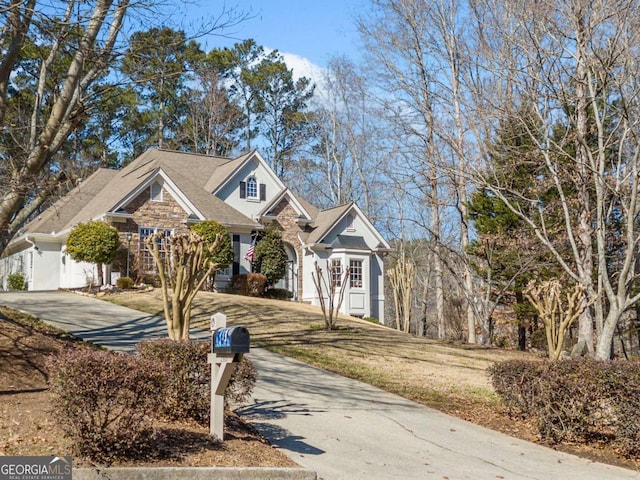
(336,272)
(146,260)
(252,190)
(156,192)
(224,272)
(252,187)
(355,273)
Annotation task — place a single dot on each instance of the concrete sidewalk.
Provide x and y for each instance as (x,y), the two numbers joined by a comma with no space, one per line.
(338,427)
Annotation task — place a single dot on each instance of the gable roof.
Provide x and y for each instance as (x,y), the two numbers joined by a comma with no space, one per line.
(325,220)
(108,191)
(57,217)
(235,166)
(301,209)
(225,171)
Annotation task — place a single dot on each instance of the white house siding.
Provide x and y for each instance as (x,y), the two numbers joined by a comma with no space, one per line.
(358,299)
(20,262)
(230,194)
(76,274)
(308,268)
(377,287)
(45,274)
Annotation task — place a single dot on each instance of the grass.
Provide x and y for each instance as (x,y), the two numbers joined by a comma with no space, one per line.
(445,376)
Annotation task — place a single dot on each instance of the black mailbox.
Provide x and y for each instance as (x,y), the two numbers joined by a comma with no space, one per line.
(231,340)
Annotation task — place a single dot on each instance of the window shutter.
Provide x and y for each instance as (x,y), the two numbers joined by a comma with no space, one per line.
(235,267)
(263,192)
(243,189)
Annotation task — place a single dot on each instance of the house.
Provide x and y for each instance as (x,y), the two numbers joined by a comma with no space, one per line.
(166,190)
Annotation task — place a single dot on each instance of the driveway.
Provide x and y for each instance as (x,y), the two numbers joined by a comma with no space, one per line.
(338,427)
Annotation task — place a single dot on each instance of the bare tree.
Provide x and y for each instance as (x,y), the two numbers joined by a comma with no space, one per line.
(330,289)
(400,57)
(349,155)
(401,276)
(556,311)
(184,262)
(50,125)
(214,122)
(573,65)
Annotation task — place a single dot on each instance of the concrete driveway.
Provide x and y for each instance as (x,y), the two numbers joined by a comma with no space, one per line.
(340,428)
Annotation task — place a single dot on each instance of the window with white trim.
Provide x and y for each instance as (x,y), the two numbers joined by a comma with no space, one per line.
(156,192)
(336,272)
(252,187)
(145,259)
(355,274)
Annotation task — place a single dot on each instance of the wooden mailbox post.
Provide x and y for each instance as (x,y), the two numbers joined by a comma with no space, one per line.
(228,346)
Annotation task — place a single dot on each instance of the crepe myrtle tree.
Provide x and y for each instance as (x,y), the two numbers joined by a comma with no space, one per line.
(94,242)
(184,262)
(330,289)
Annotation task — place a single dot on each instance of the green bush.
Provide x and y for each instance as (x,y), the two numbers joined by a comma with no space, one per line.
(124,283)
(16,281)
(270,256)
(278,293)
(94,242)
(102,399)
(575,400)
(209,230)
(187,393)
(250,284)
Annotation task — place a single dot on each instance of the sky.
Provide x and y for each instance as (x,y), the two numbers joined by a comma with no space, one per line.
(306,32)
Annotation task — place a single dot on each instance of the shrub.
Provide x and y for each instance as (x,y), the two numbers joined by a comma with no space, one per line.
(242,382)
(16,281)
(209,230)
(187,392)
(250,284)
(270,256)
(124,283)
(575,400)
(95,242)
(101,399)
(278,294)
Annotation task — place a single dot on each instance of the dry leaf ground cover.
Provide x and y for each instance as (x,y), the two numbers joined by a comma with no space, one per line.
(449,377)
(28,428)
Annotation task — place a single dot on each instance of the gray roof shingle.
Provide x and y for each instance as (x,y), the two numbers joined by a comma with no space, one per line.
(196,176)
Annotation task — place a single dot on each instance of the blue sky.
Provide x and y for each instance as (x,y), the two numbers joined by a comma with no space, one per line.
(300,29)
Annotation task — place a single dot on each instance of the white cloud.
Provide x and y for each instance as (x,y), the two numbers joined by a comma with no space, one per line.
(303,67)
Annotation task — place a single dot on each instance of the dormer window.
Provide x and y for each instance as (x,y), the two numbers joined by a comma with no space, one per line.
(252,190)
(156,192)
(252,187)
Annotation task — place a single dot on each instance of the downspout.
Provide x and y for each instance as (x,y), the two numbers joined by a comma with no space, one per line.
(35,247)
(31,261)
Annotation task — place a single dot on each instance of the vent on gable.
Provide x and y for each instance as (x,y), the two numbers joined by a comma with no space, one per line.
(156,192)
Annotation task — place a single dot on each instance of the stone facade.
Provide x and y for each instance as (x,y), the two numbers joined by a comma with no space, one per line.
(286,221)
(147,213)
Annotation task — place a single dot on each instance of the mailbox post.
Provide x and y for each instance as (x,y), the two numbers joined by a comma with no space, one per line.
(228,345)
